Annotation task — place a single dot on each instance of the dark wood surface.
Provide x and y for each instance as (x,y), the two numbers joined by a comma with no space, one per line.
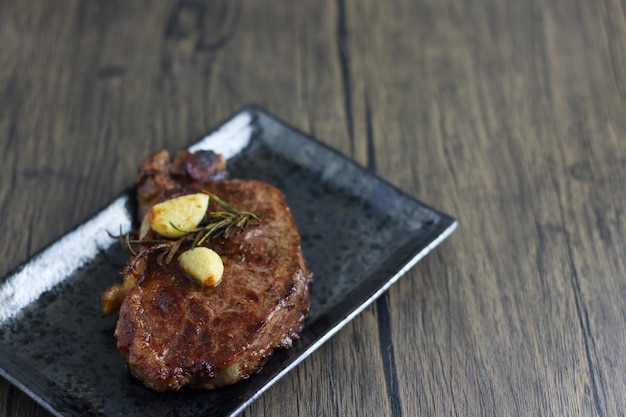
(510,115)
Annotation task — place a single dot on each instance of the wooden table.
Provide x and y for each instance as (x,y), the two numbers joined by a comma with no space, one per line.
(510,115)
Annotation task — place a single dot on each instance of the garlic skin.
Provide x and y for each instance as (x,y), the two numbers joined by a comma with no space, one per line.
(144,227)
(176,217)
(202,264)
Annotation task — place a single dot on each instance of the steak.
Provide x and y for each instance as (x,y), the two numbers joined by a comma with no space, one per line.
(175,332)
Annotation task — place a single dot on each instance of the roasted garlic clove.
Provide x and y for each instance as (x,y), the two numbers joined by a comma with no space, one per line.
(176,217)
(202,264)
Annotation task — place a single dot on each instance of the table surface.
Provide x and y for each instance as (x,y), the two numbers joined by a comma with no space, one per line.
(510,115)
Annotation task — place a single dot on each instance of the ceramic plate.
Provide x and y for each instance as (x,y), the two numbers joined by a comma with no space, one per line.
(359,235)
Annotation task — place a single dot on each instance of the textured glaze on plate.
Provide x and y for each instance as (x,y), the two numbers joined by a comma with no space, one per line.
(61,259)
(359,235)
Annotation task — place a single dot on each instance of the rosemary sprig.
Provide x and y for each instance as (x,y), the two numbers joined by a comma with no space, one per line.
(223,224)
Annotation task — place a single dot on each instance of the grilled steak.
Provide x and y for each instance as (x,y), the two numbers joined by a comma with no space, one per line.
(175,332)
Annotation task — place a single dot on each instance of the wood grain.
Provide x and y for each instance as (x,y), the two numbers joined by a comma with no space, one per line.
(507,114)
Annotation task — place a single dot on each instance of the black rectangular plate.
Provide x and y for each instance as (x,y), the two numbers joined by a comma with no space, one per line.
(359,235)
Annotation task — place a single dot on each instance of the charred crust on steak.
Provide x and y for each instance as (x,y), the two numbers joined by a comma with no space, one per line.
(160,178)
(174,332)
(199,166)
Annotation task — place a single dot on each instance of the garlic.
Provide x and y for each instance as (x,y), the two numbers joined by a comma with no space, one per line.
(202,264)
(144,227)
(176,217)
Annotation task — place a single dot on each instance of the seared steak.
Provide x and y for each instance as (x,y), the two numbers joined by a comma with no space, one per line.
(175,332)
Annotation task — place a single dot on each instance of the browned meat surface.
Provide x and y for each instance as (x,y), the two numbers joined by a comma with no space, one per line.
(175,332)
(160,178)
